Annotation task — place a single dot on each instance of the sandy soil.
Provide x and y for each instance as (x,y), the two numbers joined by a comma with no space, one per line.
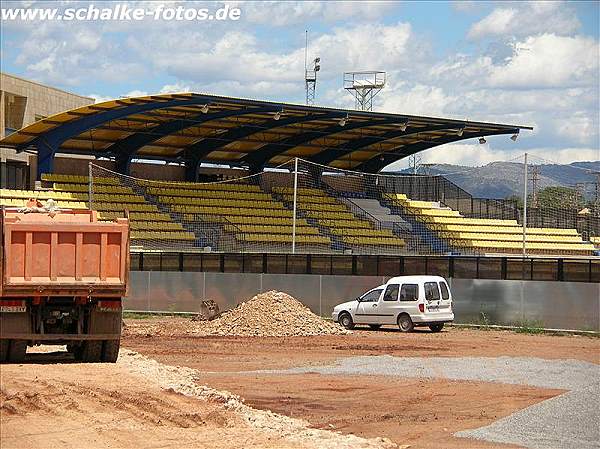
(422,413)
(177,346)
(51,402)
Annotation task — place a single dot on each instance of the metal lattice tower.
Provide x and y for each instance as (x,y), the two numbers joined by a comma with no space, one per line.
(310,75)
(414,163)
(364,86)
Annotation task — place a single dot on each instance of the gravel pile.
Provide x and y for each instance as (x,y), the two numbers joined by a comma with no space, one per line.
(269,314)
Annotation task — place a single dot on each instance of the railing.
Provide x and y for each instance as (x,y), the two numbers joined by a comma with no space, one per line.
(461,267)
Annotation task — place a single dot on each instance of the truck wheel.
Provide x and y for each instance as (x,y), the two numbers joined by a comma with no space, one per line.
(405,323)
(346,320)
(436,327)
(110,350)
(3,350)
(91,351)
(17,350)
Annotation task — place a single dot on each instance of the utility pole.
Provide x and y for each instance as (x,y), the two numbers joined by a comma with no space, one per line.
(535,177)
(525,179)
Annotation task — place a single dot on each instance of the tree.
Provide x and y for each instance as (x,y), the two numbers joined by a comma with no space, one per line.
(559,198)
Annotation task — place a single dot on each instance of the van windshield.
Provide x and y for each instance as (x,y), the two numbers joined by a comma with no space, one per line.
(372,296)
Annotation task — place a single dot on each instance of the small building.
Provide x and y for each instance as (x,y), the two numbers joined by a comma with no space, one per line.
(23,102)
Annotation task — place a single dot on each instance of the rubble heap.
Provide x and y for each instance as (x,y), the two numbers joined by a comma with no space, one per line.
(269,314)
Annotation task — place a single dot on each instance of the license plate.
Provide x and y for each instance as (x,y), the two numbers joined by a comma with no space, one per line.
(433,308)
(13,309)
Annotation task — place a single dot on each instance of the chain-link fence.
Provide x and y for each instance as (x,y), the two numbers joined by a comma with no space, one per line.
(302,207)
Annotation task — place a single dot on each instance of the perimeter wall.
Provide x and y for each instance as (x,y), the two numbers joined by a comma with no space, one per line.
(549,304)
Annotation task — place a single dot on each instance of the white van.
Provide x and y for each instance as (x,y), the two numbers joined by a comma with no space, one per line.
(405,301)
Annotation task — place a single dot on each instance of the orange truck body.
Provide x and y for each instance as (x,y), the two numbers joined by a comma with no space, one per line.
(63,276)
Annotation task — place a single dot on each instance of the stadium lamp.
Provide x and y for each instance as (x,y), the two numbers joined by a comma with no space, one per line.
(204,109)
(482,140)
(343,120)
(460,132)
(514,137)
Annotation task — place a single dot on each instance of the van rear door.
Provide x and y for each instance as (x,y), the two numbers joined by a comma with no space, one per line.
(438,299)
(433,298)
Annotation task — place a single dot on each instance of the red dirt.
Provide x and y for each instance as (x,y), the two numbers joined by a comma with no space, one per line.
(422,413)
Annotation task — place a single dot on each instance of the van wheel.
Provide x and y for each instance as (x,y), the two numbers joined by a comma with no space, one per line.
(346,320)
(375,326)
(110,350)
(405,324)
(17,350)
(436,327)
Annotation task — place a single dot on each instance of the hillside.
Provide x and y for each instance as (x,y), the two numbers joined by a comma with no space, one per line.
(502,179)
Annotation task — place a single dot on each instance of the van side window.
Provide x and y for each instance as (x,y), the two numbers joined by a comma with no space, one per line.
(391,293)
(372,296)
(432,293)
(444,289)
(409,292)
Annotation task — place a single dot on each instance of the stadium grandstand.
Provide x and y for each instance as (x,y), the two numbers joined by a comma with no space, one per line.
(208,173)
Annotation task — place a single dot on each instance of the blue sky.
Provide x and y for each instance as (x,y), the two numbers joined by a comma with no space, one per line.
(527,63)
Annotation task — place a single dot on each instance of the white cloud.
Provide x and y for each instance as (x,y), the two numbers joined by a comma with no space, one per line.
(303,12)
(175,88)
(136,93)
(99,98)
(549,60)
(416,99)
(527,18)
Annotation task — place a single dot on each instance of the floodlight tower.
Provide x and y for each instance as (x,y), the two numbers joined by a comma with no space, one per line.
(364,86)
(414,163)
(310,75)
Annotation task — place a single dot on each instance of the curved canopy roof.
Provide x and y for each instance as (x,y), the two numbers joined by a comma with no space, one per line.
(195,128)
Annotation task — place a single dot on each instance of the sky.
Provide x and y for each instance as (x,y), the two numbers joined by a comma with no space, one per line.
(524,63)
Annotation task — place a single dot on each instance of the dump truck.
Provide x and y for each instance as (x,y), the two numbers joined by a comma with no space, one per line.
(64,274)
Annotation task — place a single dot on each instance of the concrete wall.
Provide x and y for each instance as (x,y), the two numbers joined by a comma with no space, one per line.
(559,305)
(23,102)
(40,100)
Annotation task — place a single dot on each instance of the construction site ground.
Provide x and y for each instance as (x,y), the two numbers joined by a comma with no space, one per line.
(155,395)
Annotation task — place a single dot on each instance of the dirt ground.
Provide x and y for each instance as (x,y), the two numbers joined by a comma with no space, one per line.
(51,402)
(422,413)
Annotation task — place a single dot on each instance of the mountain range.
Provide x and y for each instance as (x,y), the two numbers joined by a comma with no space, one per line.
(503,179)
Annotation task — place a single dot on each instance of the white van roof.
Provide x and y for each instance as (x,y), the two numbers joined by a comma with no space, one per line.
(414,279)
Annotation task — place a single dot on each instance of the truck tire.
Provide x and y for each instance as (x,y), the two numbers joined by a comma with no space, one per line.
(17,350)
(110,350)
(91,351)
(3,350)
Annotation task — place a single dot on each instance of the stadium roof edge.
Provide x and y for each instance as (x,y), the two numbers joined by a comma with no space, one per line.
(197,127)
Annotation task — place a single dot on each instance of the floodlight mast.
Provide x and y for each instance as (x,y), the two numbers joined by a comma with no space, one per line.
(310,75)
(364,86)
